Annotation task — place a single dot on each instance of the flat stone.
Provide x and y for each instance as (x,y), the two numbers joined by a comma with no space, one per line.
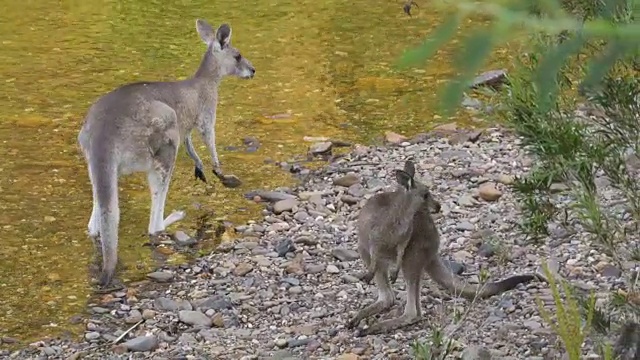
(160,276)
(394,138)
(611,271)
(344,254)
(332,269)
(284,205)
(92,335)
(476,353)
(321,148)
(346,180)
(488,192)
(465,226)
(195,318)
(270,196)
(242,269)
(181,238)
(142,343)
(492,78)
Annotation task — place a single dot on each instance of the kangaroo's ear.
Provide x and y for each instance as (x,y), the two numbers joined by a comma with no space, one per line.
(410,168)
(223,35)
(205,31)
(404,179)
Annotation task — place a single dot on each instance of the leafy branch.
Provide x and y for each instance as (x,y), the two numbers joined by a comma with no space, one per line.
(609,24)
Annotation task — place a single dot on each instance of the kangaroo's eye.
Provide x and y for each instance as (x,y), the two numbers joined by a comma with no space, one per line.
(238,57)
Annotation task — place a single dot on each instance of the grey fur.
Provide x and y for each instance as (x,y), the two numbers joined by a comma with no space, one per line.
(396,227)
(627,347)
(138,127)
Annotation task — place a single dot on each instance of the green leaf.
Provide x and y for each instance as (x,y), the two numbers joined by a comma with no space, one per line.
(547,71)
(475,50)
(443,33)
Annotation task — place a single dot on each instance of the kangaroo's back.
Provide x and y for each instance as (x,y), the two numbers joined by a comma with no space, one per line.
(374,213)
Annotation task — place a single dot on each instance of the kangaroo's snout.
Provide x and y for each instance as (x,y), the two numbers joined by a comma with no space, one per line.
(248,73)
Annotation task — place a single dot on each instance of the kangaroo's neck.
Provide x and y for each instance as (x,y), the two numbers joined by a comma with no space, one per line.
(200,93)
(208,72)
(410,201)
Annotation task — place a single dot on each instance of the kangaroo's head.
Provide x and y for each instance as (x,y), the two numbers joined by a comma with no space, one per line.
(406,178)
(226,59)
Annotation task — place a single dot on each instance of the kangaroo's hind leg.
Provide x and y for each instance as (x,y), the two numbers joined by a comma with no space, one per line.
(386,298)
(164,143)
(412,269)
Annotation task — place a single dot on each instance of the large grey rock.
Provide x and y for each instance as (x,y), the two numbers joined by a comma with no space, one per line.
(195,318)
(142,343)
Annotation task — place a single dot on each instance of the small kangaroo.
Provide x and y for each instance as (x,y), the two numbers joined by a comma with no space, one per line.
(397,227)
(139,127)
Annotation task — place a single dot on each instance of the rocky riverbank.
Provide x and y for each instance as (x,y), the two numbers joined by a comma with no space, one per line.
(287,286)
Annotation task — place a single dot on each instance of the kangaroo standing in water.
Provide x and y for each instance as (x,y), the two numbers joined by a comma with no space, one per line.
(138,127)
(397,227)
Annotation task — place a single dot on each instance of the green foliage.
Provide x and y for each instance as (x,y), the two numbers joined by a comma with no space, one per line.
(574,150)
(578,51)
(600,23)
(568,322)
(438,348)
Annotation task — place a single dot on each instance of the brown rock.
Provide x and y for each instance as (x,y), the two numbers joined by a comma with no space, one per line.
(218,320)
(446,127)
(242,269)
(394,138)
(488,192)
(348,356)
(347,180)
(320,148)
(360,149)
(165,250)
(295,266)
(506,179)
(148,314)
(119,349)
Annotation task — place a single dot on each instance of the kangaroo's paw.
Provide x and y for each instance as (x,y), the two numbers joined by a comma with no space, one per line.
(108,285)
(200,174)
(174,217)
(353,322)
(390,325)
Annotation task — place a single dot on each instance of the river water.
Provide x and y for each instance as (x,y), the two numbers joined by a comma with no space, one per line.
(324,68)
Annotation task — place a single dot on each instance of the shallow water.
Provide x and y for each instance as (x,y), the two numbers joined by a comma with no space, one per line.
(324,68)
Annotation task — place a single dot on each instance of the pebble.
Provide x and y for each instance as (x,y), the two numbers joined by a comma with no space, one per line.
(92,335)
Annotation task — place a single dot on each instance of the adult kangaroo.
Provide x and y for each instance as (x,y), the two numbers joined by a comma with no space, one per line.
(138,127)
(396,228)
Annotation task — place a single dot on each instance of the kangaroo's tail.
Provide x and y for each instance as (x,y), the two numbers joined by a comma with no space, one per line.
(442,275)
(105,184)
